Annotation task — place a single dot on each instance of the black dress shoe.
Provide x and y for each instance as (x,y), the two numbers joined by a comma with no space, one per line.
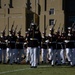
(8,61)
(42,62)
(33,66)
(11,63)
(68,63)
(4,63)
(58,64)
(50,61)
(27,62)
(52,65)
(38,63)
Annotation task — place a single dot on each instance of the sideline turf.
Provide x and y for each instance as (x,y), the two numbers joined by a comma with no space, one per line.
(40,70)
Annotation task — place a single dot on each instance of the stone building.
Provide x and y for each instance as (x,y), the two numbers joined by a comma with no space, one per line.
(46,13)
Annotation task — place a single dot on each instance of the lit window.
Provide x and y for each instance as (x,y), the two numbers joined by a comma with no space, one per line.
(51,22)
(51,11)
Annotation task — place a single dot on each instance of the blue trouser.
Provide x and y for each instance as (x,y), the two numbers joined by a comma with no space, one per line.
(33,56)
(4,55)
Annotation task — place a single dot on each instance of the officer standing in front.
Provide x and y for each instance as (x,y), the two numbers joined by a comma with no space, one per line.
(34,45)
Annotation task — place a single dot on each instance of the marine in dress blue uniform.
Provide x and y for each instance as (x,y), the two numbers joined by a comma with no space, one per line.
(3,46)
(20,46)
(34,45)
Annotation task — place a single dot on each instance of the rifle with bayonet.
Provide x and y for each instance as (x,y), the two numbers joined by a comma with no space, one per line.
(12,27)
(58,31)
(52,29)
(4,29)
(62,30)
(73,24)
(20,30)
(16,28)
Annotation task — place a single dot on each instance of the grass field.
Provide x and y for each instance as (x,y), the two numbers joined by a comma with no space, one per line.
(40,70)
